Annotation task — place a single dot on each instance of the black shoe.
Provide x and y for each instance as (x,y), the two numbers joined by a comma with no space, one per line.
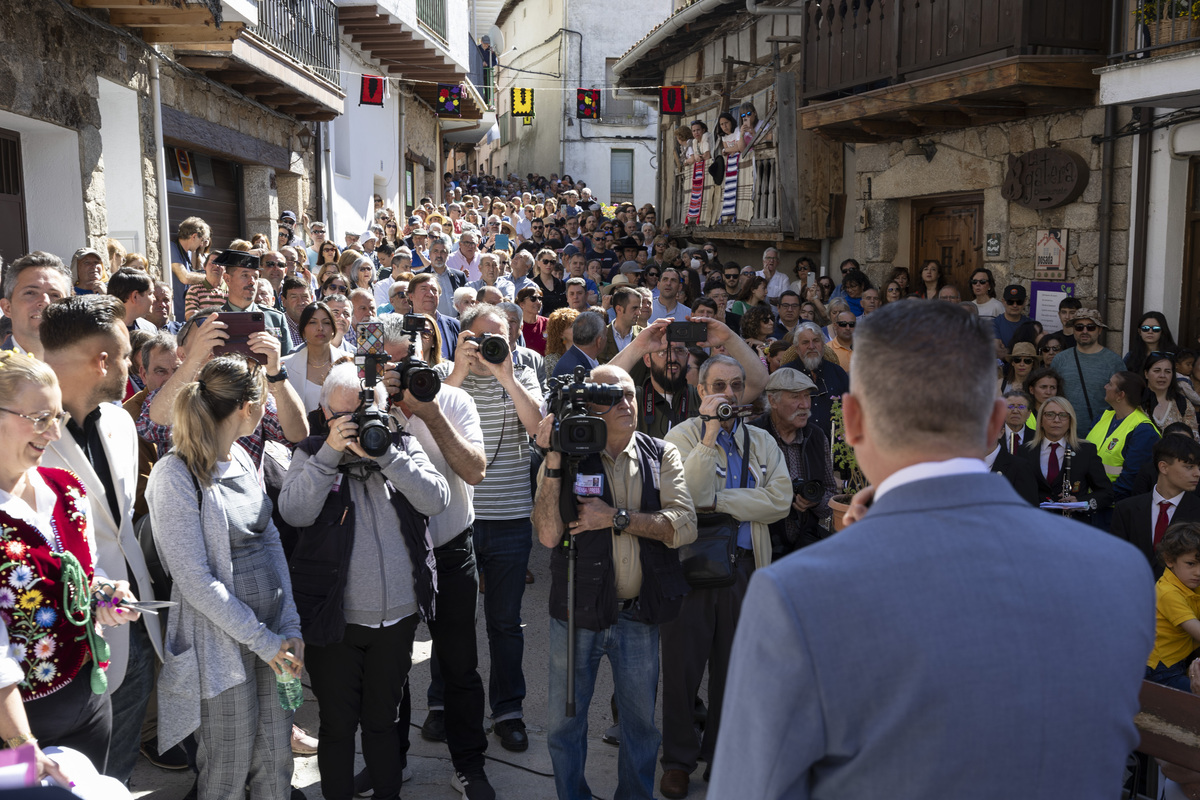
(474,786)
(434,727)
(174,758)
(362,781)
(612,736)
(512,735)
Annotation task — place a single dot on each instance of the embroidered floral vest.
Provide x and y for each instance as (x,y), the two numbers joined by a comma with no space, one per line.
(50,649)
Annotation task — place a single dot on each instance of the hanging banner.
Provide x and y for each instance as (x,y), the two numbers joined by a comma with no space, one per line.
(449,99)
(522,102)
(671,101)
(587,103)
(371,93)
(186,179)
(526,120)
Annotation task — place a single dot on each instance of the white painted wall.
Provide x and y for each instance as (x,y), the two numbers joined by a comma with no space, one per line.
(50,162)
(120,135)
(1167,219)
(458,20)
(365,141)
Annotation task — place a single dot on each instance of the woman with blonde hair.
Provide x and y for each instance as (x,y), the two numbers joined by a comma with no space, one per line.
(558,336)
(1057,432)
(235,635)
(52,659)
(346,262)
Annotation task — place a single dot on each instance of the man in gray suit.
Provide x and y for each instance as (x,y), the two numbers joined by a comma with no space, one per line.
(952,641)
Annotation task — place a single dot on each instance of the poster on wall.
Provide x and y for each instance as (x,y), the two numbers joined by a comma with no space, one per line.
(1050,253)
(186,179)
(1044,297)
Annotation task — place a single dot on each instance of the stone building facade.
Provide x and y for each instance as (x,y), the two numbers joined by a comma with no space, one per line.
(892,178)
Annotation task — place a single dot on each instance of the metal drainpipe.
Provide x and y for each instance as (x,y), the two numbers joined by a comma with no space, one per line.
(403,154)
(1141,210)
(1106,181)
(160,169)
(318,174)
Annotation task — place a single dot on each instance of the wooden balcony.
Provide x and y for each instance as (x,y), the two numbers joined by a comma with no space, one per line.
(168,21)
(885,69)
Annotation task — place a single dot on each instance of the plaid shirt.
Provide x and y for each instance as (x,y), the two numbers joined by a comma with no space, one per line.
(268,429)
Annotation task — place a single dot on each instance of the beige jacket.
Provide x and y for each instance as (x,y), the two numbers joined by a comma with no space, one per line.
(768,502)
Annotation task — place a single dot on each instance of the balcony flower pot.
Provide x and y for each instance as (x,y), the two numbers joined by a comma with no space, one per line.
(1167,21)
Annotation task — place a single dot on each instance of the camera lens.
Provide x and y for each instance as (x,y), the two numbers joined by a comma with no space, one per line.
(422,383)
(725,411)
(493,349)
(374,437)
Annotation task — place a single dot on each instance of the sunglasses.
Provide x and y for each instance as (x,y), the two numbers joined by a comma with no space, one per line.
(537,298)
(1157,354)
(651,274)
(400,295)
(1050,349)
(1023,360)
(546,261)
(1151,328)
(732,276)
(846,324)
(1088,328)
(745,115)
(983,282)
(1014,302)
(271,264)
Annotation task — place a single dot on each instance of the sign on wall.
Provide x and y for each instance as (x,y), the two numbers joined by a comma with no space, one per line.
(1048,177)
(1050,254)
(1044,297)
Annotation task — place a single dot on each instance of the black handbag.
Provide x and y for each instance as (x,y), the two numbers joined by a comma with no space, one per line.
(708,562)
(717,169)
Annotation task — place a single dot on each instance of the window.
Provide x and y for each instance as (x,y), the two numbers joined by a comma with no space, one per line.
(504,132)
(13,236)
(614,106)
(621,175)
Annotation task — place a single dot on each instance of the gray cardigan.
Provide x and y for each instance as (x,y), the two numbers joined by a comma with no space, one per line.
(202,657)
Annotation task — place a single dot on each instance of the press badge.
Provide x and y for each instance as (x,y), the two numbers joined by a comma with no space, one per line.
(589,485)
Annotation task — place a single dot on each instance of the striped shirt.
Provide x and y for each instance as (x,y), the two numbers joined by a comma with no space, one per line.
(203,295)
(504,492)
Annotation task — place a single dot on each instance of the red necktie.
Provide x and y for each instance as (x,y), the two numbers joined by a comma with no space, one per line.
(1052,466)
(1160,527)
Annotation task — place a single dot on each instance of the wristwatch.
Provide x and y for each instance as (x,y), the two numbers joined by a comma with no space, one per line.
(1092,504)
(621,520)
(278,376)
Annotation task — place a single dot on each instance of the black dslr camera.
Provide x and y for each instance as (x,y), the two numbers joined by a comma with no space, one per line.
(493,348)
(811,491)
(374,430)
(576,432)
(416,377)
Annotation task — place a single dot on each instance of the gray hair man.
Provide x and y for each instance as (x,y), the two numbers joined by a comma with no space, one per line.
(31,283)
(737,469)
(587,332)
(830,379)
(942,541)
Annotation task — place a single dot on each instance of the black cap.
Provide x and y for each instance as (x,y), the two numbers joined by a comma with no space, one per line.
(1014,293)
(232,259)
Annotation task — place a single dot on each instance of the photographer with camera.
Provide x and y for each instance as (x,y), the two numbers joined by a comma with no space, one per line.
(664,398)
(806,453)
(630,577)
(736,469)
(447,426)
(361,575)
(508,400)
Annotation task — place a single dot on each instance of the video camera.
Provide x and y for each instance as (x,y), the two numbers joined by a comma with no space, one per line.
(416,377)
(576,432)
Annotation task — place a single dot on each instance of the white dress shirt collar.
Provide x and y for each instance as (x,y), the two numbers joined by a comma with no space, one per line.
(930,469)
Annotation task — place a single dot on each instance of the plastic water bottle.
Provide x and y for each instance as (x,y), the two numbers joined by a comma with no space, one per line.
(290,690)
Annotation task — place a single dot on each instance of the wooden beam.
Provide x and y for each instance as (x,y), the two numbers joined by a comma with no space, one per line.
(159,17)
(184,130)
(113,4)
(197,34)
(931,118)
(394,34)
(887,127)
(205,63)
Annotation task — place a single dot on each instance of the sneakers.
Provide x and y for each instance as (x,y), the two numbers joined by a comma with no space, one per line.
(302,743)
(512,735)
(174,758)
(362,781)
(473,787)
(433,729)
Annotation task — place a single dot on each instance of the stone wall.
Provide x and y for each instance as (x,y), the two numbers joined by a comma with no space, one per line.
(422,135)
(889,175)
(50,60)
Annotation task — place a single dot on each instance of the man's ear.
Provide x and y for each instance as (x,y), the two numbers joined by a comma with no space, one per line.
(854,419)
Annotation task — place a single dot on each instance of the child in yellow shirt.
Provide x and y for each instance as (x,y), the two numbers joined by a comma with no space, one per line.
(1178,627)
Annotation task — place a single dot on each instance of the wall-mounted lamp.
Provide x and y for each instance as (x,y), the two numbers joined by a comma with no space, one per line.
(304,138)
(929,149)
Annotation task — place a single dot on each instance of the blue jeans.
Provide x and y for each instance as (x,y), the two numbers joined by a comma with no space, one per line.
(632,650)
(1174,676)
(502,548)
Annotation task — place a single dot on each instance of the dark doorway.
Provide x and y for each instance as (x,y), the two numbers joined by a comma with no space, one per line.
(949,229)
(1189,309)
(14,241)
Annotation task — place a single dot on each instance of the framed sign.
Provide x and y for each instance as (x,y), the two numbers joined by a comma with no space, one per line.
(1044,297)
(1050,254)
(991,247)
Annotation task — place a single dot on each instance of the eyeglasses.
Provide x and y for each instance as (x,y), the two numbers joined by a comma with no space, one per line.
(1079,328)
(983,282)
(1050,348)
(718,387)
(272,264)
(680,353)
(1059,416)
(745,115)
(1151,328)
(537,298)
(842,324)
(43,421)
(1018,407)
(1023,360)
(399,295)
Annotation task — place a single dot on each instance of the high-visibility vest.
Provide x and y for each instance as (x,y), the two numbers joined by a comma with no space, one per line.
(1112,447)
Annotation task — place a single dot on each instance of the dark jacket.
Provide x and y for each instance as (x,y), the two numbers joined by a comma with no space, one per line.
(1088,480)
(318,565)
(1132,522)
(458,278)
(1020,474)
(663,584)
(570,360)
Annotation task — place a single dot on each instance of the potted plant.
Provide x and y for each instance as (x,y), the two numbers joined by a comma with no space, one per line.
(1165,21)
(850,477)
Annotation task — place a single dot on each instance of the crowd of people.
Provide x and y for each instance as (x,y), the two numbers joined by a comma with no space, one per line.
(234,484)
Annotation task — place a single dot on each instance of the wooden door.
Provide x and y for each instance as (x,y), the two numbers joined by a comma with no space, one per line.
(948,229)
(1189,306)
